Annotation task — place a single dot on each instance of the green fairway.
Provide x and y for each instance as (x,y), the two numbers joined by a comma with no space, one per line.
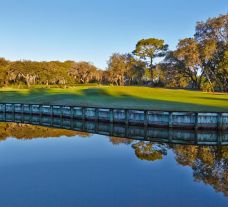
(120,97)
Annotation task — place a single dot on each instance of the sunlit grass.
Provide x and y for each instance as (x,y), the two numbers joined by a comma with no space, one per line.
(120,97)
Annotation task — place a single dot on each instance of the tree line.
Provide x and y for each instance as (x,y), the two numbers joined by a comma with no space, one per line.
(199,62)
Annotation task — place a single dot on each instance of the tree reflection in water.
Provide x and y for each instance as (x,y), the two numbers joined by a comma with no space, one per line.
(209,163)
(149,151)
(120,140)
(26,131)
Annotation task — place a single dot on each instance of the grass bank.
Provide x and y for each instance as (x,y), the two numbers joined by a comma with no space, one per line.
(120,97)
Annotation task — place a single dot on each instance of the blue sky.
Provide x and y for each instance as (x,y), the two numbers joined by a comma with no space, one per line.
(92,30)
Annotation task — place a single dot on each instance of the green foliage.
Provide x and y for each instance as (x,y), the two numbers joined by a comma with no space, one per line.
(147,50)
(147,75)
(47,73)
(150,48)
(125,70)
(199,62)
(200,59)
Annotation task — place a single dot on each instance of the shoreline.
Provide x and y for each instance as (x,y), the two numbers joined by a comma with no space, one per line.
(156,118)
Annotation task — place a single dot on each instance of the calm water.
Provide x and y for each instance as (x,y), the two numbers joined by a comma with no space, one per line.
(54,167)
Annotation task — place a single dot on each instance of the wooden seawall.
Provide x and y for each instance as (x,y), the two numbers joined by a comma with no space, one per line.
(144,133)
(168,119)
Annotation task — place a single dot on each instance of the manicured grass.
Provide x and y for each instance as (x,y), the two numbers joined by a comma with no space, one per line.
(120,97)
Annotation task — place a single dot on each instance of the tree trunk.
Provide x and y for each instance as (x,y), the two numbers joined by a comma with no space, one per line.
(151,70)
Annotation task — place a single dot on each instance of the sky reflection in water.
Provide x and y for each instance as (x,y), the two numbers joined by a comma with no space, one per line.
(95,170)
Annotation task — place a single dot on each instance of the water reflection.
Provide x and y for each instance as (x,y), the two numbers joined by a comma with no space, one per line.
(209,163)
(126,131)
(26,131)
(149,151)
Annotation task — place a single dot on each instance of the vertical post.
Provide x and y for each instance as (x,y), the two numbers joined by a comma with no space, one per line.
(83,113)
(13,106)
(126,112)
(96,121)
(40,113)
(111,116)
(61,115)
(5,112)
(22,108)
(146,118)
(220,121)
(13,112)
(126,130)
(72,123)
(83,125)
(219,137)
(196,136)
(51,111)
(19,110)
(51,107)
(51,114)
(196,121)
(22,112)
(72,112)
(145,132)
(170,135)
(145,124)
(30,111)
(96,115)
(170,119)
(61,111)
(111,129)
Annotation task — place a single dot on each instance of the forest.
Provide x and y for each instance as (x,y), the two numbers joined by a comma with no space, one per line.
(199,62)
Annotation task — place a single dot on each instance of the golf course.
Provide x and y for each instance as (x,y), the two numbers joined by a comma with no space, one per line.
(125,97)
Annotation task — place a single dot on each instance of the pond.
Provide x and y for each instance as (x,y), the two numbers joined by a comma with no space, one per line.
(46,164)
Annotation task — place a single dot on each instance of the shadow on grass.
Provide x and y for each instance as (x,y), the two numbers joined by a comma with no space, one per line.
(213,98)
(99,97)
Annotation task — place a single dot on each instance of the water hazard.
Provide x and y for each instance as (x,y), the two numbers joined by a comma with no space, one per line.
(63,162)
